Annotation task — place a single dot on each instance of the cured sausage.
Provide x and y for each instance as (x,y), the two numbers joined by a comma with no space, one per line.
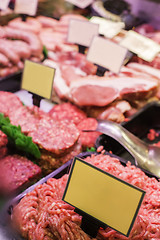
(29,37)
(4,60)
(31,24)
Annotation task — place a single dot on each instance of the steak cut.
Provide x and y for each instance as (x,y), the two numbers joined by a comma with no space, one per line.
(100,91)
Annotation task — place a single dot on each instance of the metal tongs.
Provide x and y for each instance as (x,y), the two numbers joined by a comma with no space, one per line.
(146,156)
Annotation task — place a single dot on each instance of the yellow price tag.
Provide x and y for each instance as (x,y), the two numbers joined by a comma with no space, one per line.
(103,196)
(38,79)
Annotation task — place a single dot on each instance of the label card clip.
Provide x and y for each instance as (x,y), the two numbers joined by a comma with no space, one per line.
(38,80)
(101,198)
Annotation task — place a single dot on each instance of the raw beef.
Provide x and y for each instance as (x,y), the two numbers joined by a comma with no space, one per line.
(54,136)
(15,171)
(40,212)
(88,139)
(67,111)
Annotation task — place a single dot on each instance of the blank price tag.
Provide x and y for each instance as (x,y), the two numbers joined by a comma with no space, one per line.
(103,196)
(28,7)
(80,3)
(106,54)
(82,32)
(144,47)
(4,4)
(107,27)
(38,79)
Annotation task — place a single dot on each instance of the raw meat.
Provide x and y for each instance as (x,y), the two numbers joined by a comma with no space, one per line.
(106,90)
(9,102)
(4,60)
(15,171)
(3,139)
(67,111)
(27,36)
(47,22)
(88,139)
(36,214)
(142,68)
(31,24)
(55,136)
(42,204)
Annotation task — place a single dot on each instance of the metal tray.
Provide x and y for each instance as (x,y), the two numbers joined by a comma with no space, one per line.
(140,123)
(6,230)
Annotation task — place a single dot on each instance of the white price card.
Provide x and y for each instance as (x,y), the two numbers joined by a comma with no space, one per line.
(103,196)
(28,7)
(82,32)
(107,27)
(4,4)
(80,3)
(144,47)
(107,54)
(38,78)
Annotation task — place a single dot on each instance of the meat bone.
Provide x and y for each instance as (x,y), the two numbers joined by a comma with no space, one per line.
(146,156)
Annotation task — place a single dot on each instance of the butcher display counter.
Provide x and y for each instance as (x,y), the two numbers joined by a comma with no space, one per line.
(44,199)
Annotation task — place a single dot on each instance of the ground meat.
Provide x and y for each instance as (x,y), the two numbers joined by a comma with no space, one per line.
(49,162)
(39,213)
(147,224)
(88,139)
(15,171)
(67,111)
(152,134)
(55,136)
(9,102)
(42,215)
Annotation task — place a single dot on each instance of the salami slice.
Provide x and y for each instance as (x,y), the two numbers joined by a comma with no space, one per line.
(9,102)
(68,112)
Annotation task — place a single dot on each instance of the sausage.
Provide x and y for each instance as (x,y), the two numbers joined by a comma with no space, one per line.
(30,24)
(29,37)
(8,70)
(21,48)
(9,53)
(4,60)
(47,21)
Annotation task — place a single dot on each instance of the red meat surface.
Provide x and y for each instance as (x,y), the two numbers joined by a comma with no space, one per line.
(55,136)
(88,139)
(67,111)
(3,144)
(9,102)
(15,171)
(42,215)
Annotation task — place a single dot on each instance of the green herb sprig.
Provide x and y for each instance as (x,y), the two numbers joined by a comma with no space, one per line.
(17,138)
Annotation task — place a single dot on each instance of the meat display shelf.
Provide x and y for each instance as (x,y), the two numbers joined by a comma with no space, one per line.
(11,83)
(140,124)
(6,230)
